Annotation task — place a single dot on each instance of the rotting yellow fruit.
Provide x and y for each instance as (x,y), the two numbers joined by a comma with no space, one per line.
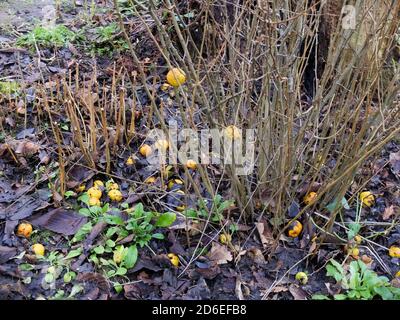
(130,161)
(162,144)
(150,180)
(310,198)
(81,188)
(115,195)
(112,186)
(354,252)
(367,198)
(98,184)
(118,255)
(181,208)
(295,229)
(301,277)
(232,132)
(94,202)
(94,192)
(394,252)
(24,230)
(176,77)
(165,86)
(38,249)
(191,164)
(225,238)
(145,150)
(174,259)
(173,182)
(397,275)
(358,239)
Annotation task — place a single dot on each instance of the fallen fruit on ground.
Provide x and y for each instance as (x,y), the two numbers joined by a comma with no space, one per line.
(94,202)
(38,249)
(145,150)
(130,161)
(150,180)
(397,275)
(176,77)
(24,230)
(367,198)
(81,188)
(174,182)
(394,252)
(98,184)
(358,239)
(225,238)
(301,277)
(310,198)
(232,132)
(174,259)
(162,144)
(94,192)
(191,164)
(295,229)
(354,252)
(115,195)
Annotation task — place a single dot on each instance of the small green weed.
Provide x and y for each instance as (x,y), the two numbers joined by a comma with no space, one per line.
(359,283)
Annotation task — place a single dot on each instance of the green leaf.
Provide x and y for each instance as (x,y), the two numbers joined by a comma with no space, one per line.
(114,220)
(334,205)
(84,230)
(166,219)
(99,249)
(85,212)
(319,297)
(110,243)
(84,198)
(121,271)
(73,253)
(49,278)
(131,257)
(118,287)
(26,267)
(69,193)
(158,236)
(340,297)
(384,292)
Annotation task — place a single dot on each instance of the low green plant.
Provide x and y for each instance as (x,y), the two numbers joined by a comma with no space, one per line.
(359,283)
(56,37)
(108,39)
(9,87)
(217,207)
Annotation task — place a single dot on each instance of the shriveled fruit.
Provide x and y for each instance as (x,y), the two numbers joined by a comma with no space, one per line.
(295,229)
(24,230)
(174,259)
(397,275)
(145,150)
(367,198)
(38,249)
(80,188)
(94,202)
(232,132)
(180,208)
(358,239)
(191,164)
(225,238)
(118,254)
(150,180)
(310,198)
(301,277)
(174,182)
(162,144)
(115,195)
(394,252)
(94,192)
(176,77)
(111,185)
(130,161)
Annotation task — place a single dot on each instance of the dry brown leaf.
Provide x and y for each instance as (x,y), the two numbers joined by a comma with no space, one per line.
(389,211)
(297,292)
(219,254)
(265,234)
